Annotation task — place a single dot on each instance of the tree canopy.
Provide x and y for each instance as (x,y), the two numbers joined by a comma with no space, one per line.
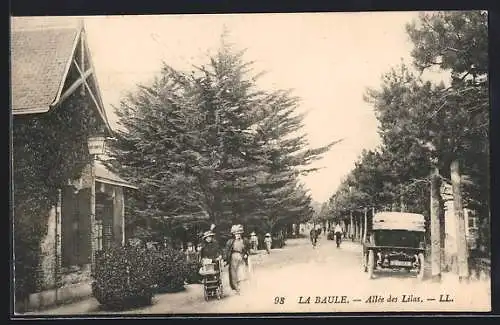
(423,122)
(212,140)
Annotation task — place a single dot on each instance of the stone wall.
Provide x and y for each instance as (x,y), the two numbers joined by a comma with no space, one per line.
(62,272)
(47,267)
(57,246)
(76,276)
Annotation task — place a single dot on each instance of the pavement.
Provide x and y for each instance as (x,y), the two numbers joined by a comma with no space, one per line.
(300,278)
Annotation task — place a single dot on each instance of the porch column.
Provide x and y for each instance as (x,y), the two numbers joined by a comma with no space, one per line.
(118,216)
(93,225)
(351,225)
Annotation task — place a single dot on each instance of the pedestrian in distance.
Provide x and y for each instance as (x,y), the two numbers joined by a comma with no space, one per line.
(199,246)
(268,241)
(338,231)
(191,253)
(313,234)
(237,255)
(254,240)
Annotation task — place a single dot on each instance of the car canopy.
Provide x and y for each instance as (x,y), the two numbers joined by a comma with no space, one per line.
(399,221)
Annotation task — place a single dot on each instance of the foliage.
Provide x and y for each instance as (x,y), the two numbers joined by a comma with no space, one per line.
(171,269)
(210,140)
(458,42)
(124,277)
(422,122)
(48,150)
(193,268)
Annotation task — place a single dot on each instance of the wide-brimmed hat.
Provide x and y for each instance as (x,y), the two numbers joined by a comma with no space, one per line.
(208,234)
(268,235)
(237,229)
(253,233)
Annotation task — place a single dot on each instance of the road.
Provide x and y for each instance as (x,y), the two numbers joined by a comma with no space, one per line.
(330,277)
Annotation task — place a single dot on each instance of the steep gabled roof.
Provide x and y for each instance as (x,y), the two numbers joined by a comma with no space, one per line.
(42,52)
(40,60)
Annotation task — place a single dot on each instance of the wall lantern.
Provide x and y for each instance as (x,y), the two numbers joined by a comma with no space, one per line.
(96,145)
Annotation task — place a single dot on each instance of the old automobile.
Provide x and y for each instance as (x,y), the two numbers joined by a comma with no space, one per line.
(396,242)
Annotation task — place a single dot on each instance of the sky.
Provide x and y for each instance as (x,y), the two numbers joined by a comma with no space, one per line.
(328,59)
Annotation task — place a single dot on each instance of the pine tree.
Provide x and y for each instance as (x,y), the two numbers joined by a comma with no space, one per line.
(211,140)
(424,124)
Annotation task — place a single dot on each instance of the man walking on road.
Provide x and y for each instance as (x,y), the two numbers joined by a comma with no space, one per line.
(338,231)
(268,241)
(314,236)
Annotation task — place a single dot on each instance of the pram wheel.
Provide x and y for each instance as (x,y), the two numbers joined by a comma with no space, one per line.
(205,294)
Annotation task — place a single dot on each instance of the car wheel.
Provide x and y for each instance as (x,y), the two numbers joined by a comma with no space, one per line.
(421,269)
(371,264)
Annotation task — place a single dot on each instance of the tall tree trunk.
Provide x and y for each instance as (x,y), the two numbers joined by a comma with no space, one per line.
(356,227)
(365,224)
(442,233)
(361,228)
(401,199)
(351,227)
(462,253)
(435,225)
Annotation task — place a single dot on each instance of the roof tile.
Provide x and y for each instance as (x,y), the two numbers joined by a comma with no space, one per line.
(39,58)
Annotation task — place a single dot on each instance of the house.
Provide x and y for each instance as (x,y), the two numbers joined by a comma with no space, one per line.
(51,65)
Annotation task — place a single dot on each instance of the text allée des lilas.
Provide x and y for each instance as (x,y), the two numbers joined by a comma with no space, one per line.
(405,298)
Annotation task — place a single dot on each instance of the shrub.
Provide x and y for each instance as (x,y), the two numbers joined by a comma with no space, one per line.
(193,275)
(123,278)
(171,270)
(28,234)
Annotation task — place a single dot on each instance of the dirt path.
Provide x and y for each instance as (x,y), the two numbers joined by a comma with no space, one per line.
(330,277)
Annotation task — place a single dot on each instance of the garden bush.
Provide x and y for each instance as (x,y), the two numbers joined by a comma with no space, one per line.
(123,277)
(193,275)
(171,269)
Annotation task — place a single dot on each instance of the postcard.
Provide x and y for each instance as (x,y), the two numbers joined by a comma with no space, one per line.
(251,163)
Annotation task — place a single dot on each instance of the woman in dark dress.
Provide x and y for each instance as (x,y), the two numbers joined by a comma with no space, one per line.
(210,248)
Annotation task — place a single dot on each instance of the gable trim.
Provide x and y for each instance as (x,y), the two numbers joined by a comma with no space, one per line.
(66,70)
(101,108)
(115,183)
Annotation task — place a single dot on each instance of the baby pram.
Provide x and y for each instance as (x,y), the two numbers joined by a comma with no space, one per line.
(211,272)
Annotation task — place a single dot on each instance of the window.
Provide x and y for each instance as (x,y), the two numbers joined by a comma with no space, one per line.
(99,236)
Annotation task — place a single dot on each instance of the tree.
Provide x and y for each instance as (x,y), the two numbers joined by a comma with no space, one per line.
(424,124)
(210,140)
(404,106)
(457,42)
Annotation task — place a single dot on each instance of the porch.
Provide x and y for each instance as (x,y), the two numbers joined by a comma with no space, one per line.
(68,247)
